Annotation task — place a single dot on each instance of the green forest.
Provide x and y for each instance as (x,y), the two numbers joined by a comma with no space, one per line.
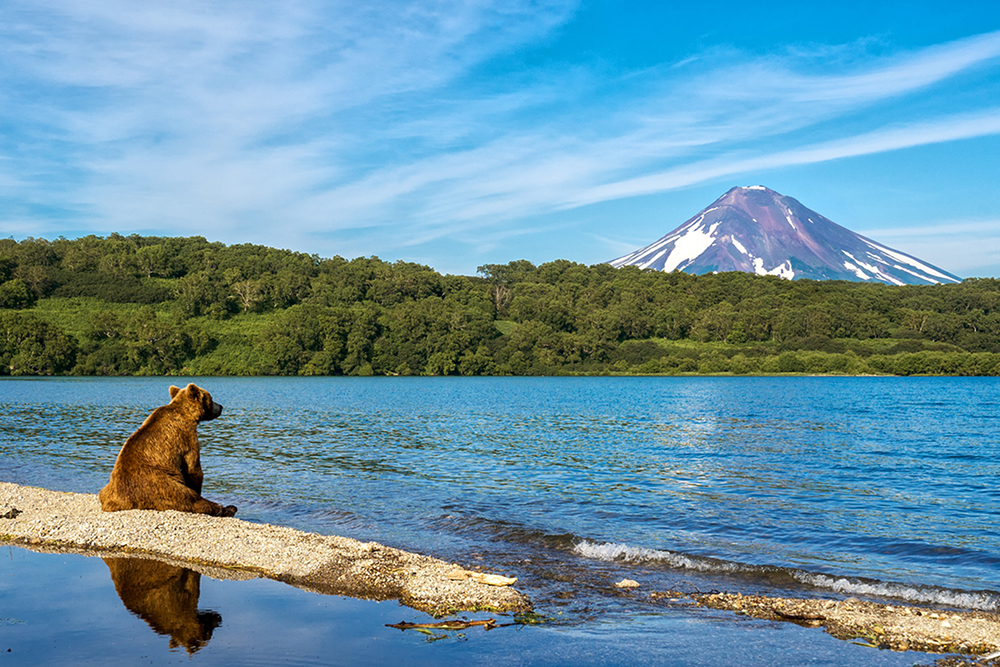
(135,305)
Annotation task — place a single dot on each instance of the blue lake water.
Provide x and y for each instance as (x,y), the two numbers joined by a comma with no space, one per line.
(878,487)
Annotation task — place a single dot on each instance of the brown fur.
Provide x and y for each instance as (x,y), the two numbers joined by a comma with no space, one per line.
(159,466)
(166,597)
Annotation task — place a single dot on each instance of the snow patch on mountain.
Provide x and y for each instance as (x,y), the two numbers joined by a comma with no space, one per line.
(913,262)
(690,246)
(857,271)
(783,270)
(788,217)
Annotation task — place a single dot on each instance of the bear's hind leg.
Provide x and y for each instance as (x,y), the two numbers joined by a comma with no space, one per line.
(185,499)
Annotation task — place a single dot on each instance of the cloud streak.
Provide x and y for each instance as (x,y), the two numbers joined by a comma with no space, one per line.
(323,119)
(950,128)
(147,115)
(539,168)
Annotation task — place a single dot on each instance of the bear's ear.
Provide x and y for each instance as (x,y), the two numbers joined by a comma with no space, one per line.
(173,391)
(194,391)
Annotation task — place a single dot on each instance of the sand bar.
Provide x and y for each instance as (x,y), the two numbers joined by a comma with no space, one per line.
(235,549)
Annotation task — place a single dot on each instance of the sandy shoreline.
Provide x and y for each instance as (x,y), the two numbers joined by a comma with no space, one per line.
(229,548)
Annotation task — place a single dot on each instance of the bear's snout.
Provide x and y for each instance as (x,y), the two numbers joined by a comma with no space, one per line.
(215,412)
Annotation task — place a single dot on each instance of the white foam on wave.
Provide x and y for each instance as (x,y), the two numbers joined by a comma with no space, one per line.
(615,552)
(939,596)
(624,553)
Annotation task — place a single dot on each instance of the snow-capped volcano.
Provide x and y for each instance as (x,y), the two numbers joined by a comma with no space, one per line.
(757,230)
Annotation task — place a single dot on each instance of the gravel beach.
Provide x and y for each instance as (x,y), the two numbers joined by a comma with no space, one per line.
(228,548)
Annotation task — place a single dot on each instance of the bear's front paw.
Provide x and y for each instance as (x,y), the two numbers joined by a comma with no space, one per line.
(229,510)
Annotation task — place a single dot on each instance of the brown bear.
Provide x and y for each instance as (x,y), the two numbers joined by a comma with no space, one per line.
(159,467)
(166,597)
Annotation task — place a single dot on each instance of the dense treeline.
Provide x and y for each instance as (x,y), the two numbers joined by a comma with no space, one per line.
(150,305)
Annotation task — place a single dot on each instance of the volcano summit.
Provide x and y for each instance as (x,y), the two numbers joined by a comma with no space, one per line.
(757,230)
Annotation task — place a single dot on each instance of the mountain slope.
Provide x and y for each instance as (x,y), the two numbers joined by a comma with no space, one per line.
(756,230)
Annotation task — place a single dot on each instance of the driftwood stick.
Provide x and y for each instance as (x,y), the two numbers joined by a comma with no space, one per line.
(454,624)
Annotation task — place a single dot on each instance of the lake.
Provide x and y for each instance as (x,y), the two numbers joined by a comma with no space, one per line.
(872,487)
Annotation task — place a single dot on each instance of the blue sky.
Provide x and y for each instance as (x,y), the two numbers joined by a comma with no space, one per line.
(456,134)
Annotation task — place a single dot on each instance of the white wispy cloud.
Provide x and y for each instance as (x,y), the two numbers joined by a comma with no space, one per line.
(948,128)
(313,118)
(205,111)
(568,163)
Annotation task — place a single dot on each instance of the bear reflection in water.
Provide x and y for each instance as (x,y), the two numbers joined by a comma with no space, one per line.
(166,597)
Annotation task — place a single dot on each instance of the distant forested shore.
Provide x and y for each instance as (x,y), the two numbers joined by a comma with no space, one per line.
(136,305)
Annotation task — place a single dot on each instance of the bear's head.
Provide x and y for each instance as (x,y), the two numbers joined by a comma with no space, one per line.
(205,407)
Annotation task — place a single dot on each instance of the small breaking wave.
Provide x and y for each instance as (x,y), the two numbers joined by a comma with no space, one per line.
(980,600)
(623,553)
